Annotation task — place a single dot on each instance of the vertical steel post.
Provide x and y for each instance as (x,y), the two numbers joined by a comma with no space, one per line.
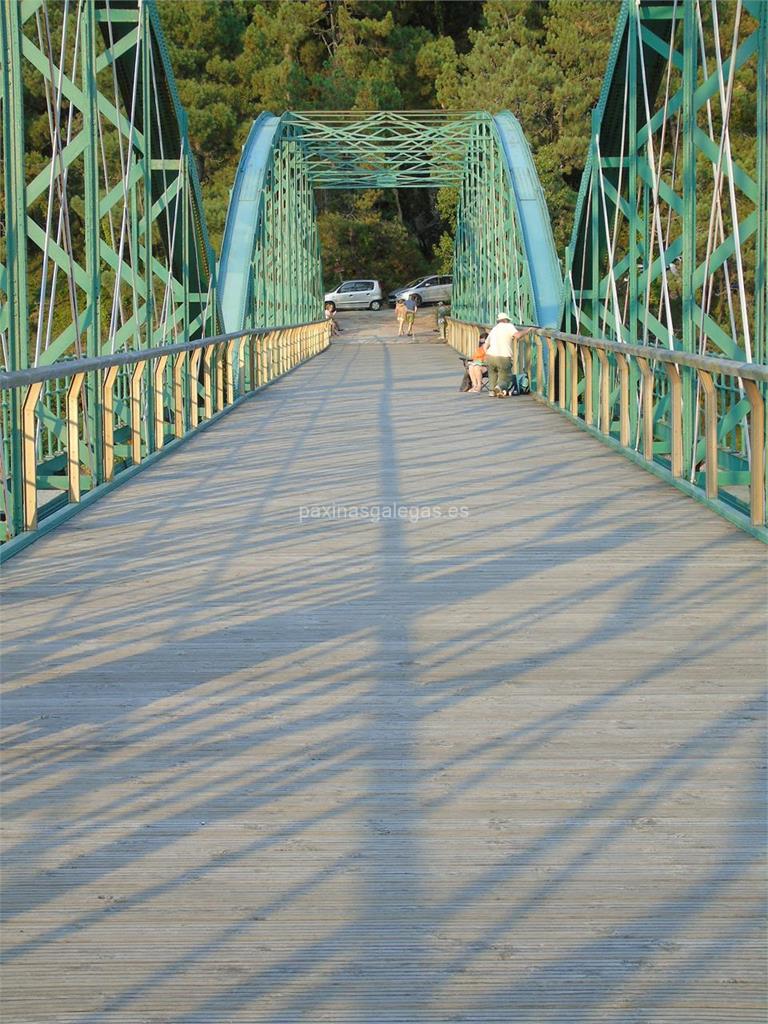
(595,225)
(690,68)
(185,201)
(181,381)
(145,55)
(16,241)
(761,268)
(634,53)
(93,392)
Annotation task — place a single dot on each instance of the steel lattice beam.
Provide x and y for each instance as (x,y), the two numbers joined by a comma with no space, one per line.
(669,242)
(105,248)
(270,265)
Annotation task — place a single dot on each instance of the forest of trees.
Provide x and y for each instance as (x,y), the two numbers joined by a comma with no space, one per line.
(542,59)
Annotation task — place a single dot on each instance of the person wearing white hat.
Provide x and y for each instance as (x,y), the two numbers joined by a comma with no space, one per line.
(500,350)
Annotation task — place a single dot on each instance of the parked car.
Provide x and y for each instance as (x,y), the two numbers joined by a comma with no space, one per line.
(426,289)
(357,295)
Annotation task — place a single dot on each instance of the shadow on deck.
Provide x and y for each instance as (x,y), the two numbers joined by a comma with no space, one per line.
(275,753)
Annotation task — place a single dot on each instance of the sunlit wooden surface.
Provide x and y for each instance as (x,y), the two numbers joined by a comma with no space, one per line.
(501,767)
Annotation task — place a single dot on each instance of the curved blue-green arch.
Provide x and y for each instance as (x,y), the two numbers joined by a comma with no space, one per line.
(533,218)
(246,217)
(246,204)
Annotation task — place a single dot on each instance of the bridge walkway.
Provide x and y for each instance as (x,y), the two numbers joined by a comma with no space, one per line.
(271,759)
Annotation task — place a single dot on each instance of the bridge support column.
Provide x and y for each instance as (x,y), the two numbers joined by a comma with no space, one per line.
(92,401)
(16,313)
(688,267)
(147,76)
(761,269)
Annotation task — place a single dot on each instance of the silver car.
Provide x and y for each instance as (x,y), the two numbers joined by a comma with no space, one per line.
(363,294)
(434,288)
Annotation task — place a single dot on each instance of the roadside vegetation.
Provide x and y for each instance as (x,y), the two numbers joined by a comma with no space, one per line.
(544,61)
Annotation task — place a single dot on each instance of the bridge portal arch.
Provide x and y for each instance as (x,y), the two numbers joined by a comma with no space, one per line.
(270,270)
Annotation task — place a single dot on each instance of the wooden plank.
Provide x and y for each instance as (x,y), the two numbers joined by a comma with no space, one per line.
(262,765)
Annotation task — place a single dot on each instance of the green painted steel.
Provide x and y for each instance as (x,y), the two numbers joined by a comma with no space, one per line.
(270,269)
(385,149)
(490,266)
(14,311)
(105,247)
(669,242)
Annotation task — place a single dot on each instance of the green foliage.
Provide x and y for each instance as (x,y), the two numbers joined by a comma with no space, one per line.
(444,254)
(541,59)
(361,243)
(545,62)
(438,61)
(233,60)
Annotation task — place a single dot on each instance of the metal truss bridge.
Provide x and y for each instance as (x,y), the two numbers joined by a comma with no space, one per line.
(344,696)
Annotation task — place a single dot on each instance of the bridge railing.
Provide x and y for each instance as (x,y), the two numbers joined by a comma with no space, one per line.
(74,429)
(696,421)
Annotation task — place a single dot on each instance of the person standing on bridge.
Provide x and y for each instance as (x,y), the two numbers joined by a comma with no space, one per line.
(500,350)
(410,313)
(400,314)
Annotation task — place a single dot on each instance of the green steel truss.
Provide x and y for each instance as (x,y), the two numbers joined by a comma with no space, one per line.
(666,244)
(105,247)
(490,269)
(270,271)
(108,234)
(670,237)
(385,149)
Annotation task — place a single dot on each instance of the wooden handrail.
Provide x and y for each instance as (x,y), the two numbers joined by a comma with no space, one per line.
(172,391)
(699,465)
(709,364)
(66,368)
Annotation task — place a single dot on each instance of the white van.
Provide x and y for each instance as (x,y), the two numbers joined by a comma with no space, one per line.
(357,295)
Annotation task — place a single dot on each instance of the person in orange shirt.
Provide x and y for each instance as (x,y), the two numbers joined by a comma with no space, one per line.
(477,365)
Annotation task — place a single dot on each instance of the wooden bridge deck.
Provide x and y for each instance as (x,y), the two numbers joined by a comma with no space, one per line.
(261,766)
